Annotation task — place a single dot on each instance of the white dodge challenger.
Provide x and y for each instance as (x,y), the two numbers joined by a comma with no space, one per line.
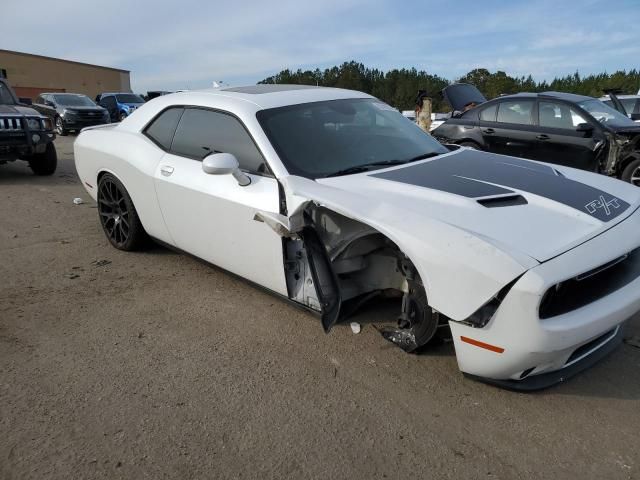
(328,197)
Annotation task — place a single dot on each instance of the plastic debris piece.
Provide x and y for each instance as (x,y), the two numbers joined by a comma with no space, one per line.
(101,263)
(355,327)
(78,201)
(400,337)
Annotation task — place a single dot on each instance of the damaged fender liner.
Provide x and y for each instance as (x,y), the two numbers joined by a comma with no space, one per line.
(324,278)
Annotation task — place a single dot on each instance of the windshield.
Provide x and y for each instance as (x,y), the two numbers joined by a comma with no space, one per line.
(606,115)
(129,98)
(6,98)
(322,139)
(73,101)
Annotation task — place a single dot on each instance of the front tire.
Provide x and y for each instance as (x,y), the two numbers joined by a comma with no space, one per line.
(631,173)
(118,216)
(44,163)
(60,130)
(122,116)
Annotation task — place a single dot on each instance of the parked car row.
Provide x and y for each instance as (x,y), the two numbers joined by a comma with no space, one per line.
(74,111)
(561,128)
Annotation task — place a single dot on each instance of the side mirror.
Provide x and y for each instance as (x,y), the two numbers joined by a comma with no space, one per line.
(224,164)
(585,128)
(25,101)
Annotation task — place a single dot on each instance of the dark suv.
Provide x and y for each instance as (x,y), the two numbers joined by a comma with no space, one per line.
(25,134)
(70,111)
(562,128)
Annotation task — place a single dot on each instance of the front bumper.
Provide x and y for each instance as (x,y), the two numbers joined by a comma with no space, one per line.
(79,123)
(22,143)
(530,347)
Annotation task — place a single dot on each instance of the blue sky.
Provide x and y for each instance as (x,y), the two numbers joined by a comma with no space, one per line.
(188,44)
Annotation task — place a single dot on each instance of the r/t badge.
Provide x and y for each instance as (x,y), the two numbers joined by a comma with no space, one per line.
(593,206)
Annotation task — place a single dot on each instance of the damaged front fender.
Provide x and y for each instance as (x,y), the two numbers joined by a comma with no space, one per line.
(460,271)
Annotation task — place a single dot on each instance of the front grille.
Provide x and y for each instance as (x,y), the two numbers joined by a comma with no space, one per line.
(8,124)
(590,286)
(87,116)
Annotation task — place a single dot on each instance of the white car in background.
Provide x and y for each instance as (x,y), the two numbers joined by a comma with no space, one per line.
(630,103)
(328,197)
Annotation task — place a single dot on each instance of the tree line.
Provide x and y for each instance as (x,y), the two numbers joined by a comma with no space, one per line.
(398,87)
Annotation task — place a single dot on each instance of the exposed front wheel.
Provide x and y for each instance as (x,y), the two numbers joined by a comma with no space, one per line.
(118,216)
(122,116)
(631,173)
(60,130)
(44,163)
(418,322)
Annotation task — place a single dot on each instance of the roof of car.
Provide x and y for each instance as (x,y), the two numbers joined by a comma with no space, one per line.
(267,88)
(571,97)
(239,100)
(280,95)
(62,93)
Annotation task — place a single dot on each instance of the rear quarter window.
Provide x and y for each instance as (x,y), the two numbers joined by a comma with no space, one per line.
(162,129)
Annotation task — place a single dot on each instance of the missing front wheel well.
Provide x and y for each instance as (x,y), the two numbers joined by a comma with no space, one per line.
(363,263)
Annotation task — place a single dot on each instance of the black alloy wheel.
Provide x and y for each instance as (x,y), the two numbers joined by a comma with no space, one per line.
(118,216)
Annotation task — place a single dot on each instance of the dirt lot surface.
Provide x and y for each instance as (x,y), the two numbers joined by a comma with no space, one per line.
(154,365)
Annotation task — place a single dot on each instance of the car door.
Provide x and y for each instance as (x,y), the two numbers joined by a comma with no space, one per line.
(44,105)
(109,102)
(212,216)
(513,132)
(559,141)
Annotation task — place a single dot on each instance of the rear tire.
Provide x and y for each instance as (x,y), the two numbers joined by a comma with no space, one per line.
(44,163)
(631,173)
(118,215)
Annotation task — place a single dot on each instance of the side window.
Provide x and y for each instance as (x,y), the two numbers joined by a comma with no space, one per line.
(162,129)
(558,115)
(201,132)
(108,101)
(489,113)
(39,100)
(515,111)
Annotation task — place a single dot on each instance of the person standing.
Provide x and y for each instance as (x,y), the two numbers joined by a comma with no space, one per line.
(423,110)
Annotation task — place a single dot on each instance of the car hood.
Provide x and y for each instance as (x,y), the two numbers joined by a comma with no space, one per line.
(458,95)
(13,110)
(522,207)
(85,109)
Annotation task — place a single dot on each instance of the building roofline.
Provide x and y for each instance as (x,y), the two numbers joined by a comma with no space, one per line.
(13,52)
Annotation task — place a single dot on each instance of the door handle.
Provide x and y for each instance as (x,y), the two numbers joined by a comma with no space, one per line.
(166,170)
(489,130)
(543,137)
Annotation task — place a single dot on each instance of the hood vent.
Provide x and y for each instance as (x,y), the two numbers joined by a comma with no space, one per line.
(502,201)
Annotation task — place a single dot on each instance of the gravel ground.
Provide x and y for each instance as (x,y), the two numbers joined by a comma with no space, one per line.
(154,365)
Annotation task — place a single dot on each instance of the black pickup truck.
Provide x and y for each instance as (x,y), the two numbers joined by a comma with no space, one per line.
(25,134)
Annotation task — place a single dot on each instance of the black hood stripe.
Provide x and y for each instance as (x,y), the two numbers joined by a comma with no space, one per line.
(464,172)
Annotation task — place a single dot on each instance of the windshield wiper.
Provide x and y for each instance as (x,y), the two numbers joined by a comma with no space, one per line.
(365,167)
(423,157)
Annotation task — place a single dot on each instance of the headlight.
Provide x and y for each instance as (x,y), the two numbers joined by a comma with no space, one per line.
(47,124)
(33,123)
